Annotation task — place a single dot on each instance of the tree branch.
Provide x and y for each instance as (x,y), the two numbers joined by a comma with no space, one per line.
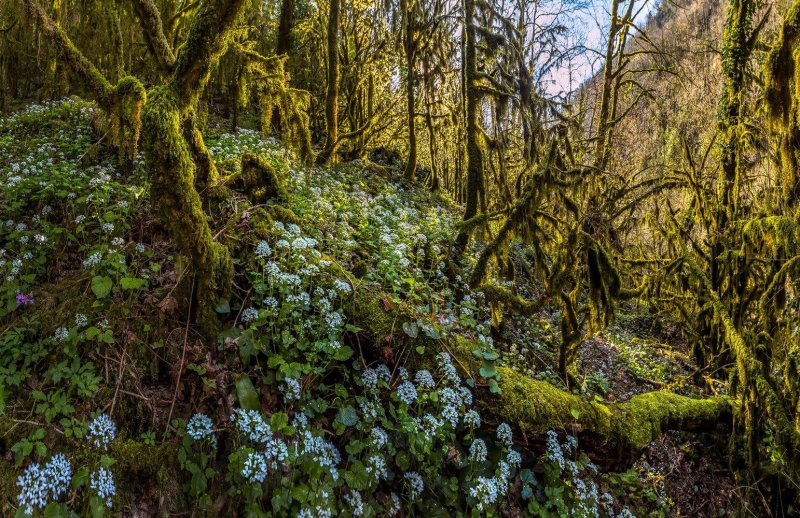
(150,20)
(92,77)
(208,39)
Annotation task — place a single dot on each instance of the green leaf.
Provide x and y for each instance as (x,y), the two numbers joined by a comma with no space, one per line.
(223,307)
(354,447)
(411,329)
(347,416)
(278,421)
(343,353)
(494,388)
(575,413)
(526,475)
(490,355)
(275,360)
(56,510)
(107,461)
(132,283)
(97,507)
(488,370)
(401,459)
(80,477)
(101,286)
(246,393)
(432,333)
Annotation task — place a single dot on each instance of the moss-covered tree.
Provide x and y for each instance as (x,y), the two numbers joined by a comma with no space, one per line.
(179,164)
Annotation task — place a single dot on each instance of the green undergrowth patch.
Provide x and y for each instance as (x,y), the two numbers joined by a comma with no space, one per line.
(346,378)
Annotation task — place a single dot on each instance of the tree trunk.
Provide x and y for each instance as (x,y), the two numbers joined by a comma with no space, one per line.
(408,44)
(285,24)
(433,182)
(474,187)
(328,154)
(283,46)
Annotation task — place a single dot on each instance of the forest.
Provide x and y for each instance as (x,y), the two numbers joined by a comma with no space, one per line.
(319,258)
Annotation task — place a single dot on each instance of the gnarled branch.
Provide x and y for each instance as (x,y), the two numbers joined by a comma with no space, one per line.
(150,20)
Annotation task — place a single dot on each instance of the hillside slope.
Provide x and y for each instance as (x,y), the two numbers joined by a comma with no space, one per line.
(303,405)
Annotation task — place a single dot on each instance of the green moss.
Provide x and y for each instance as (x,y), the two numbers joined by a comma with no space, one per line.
(642,419)
(283,213)
(171,169)
(206,175)
(267,77)
(153,29)
(373,314)
(259,180)
(208,39)
(536,406)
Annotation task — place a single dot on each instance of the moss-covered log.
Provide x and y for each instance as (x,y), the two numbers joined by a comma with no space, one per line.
(537,406)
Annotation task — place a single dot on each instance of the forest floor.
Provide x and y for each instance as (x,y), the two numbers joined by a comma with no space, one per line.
(94,311)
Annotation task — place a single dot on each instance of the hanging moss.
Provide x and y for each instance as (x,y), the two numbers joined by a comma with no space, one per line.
(781,81)
(122,103)
(604,282)
(266,76)
(130,97)
(777,236)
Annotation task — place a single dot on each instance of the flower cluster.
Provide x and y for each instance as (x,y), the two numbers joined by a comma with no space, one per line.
(255,467)
(251,425)
(38,486)
(200,427)
(407,392)
(291,389)
(415,483)
(424,380)
(378,437)
(478,451)
(485,492)
(504,434)
(102,431)
(102,483)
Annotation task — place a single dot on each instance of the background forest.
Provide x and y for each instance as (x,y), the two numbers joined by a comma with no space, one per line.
(399,258)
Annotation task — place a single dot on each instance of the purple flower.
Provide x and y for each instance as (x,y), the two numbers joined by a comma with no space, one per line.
(24,300)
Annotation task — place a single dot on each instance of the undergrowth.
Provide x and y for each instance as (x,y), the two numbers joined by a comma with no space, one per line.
(288,412)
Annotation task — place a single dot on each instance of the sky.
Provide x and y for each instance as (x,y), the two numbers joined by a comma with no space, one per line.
(589,27)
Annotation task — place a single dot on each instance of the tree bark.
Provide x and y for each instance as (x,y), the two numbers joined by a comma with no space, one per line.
(328,154)
(410,51)
(474,186)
